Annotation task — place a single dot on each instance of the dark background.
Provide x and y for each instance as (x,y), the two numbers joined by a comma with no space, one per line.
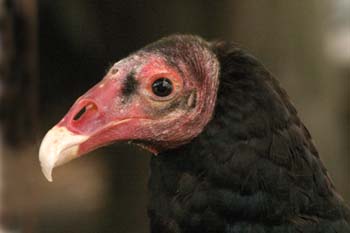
(53,51)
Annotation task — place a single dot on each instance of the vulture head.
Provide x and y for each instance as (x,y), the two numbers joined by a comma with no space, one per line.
(159,97)
(232,154)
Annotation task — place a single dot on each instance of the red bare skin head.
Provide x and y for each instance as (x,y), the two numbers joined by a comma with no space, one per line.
(160,98)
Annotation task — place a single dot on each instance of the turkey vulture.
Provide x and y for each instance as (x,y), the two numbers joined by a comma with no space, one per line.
(231,154)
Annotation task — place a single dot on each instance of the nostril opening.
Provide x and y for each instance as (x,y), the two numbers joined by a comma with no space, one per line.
(79,114)
(82,111)
(114,70)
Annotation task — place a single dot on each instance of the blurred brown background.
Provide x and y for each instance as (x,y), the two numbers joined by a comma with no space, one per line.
(52,51)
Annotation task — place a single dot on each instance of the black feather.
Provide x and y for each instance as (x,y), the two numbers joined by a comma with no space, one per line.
(253,169)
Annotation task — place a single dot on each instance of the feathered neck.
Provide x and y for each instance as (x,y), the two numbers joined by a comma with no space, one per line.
(252,169)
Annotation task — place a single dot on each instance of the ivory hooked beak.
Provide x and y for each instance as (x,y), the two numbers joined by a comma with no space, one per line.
(59,146)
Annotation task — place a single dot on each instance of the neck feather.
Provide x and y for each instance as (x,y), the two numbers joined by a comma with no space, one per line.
(253,163)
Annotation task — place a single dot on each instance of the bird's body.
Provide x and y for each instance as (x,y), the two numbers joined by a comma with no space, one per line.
(243,164)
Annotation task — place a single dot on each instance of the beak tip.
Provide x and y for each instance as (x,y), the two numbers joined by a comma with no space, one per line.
(48,176)
(58,147)
(47,171)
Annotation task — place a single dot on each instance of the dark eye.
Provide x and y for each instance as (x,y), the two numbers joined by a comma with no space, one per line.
(162,87)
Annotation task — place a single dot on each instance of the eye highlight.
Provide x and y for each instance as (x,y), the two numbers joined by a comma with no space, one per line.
(162,87)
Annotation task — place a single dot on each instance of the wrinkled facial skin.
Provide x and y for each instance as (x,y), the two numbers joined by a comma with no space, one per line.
(123,105)
(126,106)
